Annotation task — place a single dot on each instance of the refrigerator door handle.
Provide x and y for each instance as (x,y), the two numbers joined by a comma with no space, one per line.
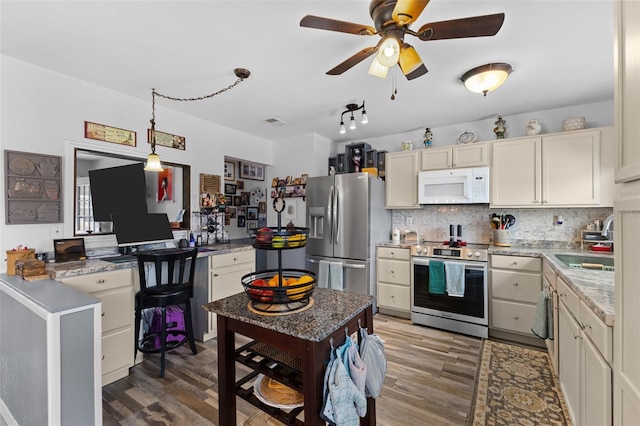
(330,212)
(337,214)
(312,260)
(354,265)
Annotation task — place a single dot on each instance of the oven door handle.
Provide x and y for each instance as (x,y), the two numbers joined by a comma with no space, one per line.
(476,266)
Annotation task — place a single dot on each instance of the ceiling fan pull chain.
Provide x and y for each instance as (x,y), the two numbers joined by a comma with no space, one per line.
(394,88)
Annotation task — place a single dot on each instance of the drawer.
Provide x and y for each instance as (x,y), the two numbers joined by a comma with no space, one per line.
(230,259)
(512,316)
(117,351)
(393,296)
(600,334)
(569,298)
(117,309)
(394,253)
(520,286)
(521,263)
(91,283)
(394,271)
(549,274)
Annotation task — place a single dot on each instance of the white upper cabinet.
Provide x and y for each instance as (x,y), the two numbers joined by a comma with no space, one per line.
(557,170)
(458,156)
(627,105)
(401,185)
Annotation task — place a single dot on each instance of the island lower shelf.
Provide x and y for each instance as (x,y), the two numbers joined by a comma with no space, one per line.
(278,365)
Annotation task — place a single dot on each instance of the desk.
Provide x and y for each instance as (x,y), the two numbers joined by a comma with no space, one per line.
(304,335)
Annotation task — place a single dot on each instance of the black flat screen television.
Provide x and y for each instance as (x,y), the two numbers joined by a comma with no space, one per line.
(119,189)
(136,229)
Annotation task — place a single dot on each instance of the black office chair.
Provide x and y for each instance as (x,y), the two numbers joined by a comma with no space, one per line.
(173,271)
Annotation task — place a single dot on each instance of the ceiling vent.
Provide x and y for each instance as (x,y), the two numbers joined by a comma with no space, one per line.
(275,121)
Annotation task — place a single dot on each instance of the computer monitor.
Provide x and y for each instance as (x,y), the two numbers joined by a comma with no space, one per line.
(121,189)
(137,229)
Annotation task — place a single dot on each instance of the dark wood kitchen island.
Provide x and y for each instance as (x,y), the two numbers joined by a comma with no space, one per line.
(293,349)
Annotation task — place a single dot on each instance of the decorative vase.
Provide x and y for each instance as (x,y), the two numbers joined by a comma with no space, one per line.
(501,128)
(407,145)
(533,127)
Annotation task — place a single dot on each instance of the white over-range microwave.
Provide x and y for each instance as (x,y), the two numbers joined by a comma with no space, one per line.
(454,186)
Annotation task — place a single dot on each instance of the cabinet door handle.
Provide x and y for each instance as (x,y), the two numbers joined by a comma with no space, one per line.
(515,283)
(577,336)
(544,202)
(514,263)
(585,325)
(536,202)
(562,294)
(235,259)
(103,314)
(215,275)
(515,317)
(101,281)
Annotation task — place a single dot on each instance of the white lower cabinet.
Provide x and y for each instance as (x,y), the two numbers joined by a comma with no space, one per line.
(217,277)
(585,354)
(115,289)
(515,282)
(393,272)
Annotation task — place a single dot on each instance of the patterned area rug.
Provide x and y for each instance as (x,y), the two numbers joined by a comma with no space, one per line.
(516,386)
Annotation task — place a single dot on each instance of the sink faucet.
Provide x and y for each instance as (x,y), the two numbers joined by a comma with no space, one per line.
(606,225)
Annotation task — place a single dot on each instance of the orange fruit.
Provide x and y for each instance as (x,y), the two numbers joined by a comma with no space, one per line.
(291,281)
(275,281)
(305,279)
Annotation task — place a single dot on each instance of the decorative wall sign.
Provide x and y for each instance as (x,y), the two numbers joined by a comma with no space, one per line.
(229,170)
(104,133)
(168,140)
(34,185)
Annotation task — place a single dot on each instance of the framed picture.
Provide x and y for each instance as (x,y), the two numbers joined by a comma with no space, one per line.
(262,207)
(262,222)
(252,225)
(274,182)
(240,185)
(231,212)
(245,198)
(252,213)
(229,170)
(227,220)
(241,221)
(242,210)
(165,185)
(251,171)
(229,189)
(236,200)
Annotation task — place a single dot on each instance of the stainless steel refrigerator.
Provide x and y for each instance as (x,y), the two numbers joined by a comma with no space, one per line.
(346,217)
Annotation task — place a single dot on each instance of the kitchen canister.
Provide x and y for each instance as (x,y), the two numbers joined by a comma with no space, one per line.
(395,234)
(501,238)
(575,123)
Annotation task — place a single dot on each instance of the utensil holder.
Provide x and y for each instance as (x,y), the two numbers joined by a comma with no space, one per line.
(501,237)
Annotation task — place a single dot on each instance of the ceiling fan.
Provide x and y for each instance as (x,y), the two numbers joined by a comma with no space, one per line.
(391,20)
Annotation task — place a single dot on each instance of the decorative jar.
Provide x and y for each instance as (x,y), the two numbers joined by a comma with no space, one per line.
(533,127)
(407,145)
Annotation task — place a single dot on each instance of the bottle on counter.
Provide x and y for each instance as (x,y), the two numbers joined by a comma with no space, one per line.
(192,240)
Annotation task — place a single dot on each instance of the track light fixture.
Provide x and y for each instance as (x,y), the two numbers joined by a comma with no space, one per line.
(351,108)
(153,159)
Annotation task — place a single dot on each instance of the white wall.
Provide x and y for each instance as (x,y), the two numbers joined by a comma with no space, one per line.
(44,112)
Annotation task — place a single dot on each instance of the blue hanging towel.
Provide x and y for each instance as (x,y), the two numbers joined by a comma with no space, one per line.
(436,277)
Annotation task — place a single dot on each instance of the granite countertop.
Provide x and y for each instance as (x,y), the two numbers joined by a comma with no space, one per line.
(331,310)
(396,244)
(82,267)
(595,288)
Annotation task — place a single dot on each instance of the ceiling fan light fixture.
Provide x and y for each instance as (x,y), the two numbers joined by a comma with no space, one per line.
(377,69)
(409,59)
(486,78)
(389,51)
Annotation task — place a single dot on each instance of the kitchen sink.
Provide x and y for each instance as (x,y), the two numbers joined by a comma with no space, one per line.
(585,261)
(206,249)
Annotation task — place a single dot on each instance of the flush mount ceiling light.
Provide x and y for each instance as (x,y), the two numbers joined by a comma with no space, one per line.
(486,78)
(351,108)
(153,159)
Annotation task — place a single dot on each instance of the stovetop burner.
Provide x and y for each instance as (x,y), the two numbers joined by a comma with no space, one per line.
(439,249)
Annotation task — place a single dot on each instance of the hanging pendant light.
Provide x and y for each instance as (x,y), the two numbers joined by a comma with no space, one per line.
(153,159)
(351,108)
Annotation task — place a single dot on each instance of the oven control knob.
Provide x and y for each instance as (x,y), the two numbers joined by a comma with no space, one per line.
(418,250)
(469,253)
(477,254)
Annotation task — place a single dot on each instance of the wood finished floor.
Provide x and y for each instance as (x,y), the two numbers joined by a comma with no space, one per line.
(430,380)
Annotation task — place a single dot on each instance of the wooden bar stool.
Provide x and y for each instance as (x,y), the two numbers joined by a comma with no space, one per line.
(166,279)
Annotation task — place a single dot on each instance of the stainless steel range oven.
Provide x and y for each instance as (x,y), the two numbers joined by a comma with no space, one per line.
(467,314)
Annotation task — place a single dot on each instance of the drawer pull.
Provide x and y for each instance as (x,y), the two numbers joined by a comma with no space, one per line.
(577,336)
(103,314)
(101,281)
(515,283)
(515,317)
(392,272)
(103,357)
(235,259)
(514,263)
(393,253)
(215,275)
(585,325)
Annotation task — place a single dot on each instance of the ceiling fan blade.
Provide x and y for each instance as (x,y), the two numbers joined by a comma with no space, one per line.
(354,60)
(410,62)
(407,11)
(477,26)
(321,23)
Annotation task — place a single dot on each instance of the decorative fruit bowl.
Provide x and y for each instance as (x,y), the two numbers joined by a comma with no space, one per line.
(271,238)
(294,285)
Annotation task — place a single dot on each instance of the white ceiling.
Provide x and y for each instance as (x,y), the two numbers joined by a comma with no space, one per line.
(561,53)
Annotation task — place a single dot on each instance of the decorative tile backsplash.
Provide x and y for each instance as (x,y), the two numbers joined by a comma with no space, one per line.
(534,227)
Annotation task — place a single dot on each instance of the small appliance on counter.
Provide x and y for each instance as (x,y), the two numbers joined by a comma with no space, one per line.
(411,235)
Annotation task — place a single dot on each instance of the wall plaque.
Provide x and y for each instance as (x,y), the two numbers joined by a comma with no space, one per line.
(104,133)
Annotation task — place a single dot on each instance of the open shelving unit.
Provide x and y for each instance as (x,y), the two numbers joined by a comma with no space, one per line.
(588,242)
